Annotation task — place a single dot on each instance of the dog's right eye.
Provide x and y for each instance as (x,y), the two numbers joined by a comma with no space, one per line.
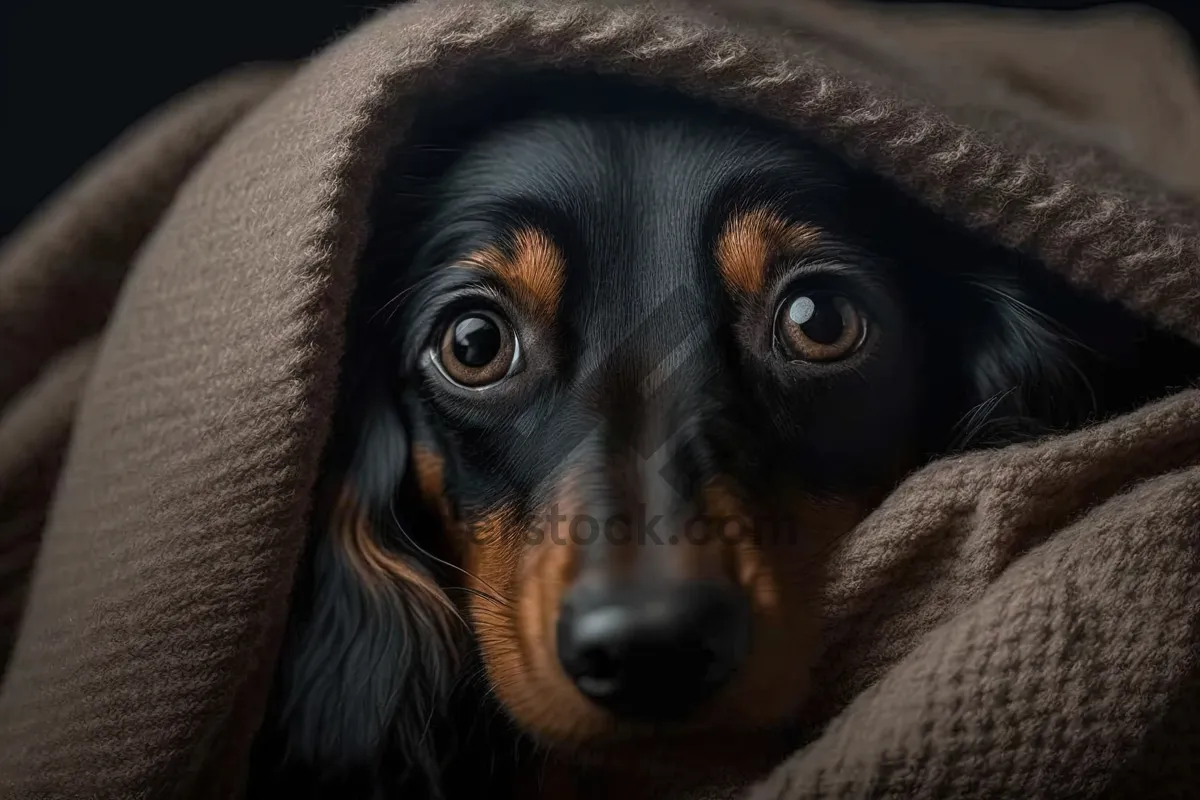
(479,348)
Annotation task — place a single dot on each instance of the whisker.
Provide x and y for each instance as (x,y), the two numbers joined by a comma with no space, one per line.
(478,674)
(500,601)
(1062,330)
(1035,313)
(431,556)
(429,148)
(428,724)
(394,303)
(976,420)
(1094,401)
(542,771)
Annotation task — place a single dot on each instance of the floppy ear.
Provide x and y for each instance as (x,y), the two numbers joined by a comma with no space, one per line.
(1020,346)
(374,651)
(1025,369)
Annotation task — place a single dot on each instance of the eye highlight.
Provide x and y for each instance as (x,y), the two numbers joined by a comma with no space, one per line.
(478,348)
(819,326)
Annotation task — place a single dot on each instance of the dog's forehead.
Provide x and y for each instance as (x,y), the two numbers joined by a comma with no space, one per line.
(634,204)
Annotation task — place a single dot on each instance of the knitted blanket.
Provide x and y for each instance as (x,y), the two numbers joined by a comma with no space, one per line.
(1011,624)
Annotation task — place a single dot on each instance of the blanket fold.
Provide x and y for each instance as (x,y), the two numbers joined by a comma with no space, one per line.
(1011,624)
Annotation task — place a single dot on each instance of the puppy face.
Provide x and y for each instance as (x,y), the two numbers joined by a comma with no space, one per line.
(650,377)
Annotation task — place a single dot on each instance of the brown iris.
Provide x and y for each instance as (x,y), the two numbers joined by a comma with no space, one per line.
(819,326)
(478,349)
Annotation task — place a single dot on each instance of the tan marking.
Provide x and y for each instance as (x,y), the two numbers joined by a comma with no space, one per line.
(750,241)
(497,531)
(734,529)
(431,482)
(517,637)
(534,272)
(376,567)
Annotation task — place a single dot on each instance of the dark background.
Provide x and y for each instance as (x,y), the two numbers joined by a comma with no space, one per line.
(75,73)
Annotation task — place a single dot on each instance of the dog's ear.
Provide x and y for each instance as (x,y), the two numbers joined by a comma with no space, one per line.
(1026,369)
(1018,350)
(374,650)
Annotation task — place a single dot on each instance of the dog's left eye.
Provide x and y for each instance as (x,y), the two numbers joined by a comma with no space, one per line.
(819,326)
(478,349)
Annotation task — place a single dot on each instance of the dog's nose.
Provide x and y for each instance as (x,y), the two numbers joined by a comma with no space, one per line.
(652,651)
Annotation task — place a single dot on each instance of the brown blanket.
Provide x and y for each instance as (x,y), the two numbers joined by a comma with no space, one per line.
(1015,624)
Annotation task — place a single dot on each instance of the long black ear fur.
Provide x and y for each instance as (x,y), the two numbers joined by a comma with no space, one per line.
(375,647)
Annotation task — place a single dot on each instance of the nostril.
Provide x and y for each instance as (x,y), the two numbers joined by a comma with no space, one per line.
(601,666)
(596,656)
(652,651)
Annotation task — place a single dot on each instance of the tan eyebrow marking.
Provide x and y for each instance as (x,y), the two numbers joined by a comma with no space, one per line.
(750,240)
(534,270)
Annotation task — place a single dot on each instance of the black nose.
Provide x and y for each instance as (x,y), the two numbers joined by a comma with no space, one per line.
(652,651)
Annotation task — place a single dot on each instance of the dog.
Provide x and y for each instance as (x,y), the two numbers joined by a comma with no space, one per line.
(611,395)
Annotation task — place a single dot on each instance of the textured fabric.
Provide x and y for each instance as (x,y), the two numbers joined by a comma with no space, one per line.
(1022,623)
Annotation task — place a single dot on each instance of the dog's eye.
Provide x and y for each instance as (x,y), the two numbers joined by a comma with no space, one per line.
(478,348)
(819,326)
